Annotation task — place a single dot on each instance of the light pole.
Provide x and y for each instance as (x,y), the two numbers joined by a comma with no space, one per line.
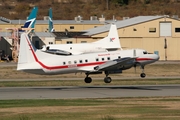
(165,48)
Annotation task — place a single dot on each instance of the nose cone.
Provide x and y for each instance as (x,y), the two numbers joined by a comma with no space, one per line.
(156,57)
(153,58)
(147,59)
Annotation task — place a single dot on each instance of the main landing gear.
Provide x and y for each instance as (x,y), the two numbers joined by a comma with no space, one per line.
(107,79)
(89,79)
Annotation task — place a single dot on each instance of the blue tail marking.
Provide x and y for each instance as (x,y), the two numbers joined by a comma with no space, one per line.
(51,28)
(30,22)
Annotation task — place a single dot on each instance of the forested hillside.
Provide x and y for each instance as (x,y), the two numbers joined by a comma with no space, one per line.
(68,9)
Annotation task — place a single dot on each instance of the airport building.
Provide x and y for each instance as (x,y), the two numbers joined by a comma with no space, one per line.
(156,34)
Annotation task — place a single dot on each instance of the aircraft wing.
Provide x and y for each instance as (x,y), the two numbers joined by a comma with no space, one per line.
(115,64)
(87,69)
(110,65)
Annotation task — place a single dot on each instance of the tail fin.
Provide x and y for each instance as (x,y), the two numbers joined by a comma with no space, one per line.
(26,52)
(30,22)
(112,40)
(51,28)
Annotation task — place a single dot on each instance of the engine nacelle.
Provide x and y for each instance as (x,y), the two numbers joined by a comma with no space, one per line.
(115,71)
(58,52)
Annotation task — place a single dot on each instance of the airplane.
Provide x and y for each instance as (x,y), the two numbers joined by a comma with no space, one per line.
(109,43)
(31,20)
(35,61)
(51,28)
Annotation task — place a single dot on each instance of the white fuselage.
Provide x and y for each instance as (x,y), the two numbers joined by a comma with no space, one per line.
(79,48)
(45,63)
(111,42)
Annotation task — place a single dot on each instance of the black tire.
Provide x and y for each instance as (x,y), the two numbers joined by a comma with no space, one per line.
(143,75)
(88,80)
(107,79)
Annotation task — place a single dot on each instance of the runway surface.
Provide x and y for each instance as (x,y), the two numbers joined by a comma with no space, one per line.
(65,92)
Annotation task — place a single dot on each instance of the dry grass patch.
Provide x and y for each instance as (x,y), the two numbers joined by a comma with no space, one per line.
(119,108)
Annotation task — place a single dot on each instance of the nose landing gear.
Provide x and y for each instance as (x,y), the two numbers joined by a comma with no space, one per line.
(143,75)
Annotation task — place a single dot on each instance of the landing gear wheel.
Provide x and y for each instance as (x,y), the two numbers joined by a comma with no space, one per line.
(143,75)
(88,80)
(107,79)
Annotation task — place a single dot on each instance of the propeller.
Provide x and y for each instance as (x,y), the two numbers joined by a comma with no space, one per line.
(134,55)
(134,68)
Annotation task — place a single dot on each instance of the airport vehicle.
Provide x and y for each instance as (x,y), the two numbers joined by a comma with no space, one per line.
(109,43)
(36,61)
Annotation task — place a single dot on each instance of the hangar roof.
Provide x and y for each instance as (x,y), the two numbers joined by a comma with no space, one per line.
(121,24)
(39,34)
(92,31)
(44,34)
(59,22)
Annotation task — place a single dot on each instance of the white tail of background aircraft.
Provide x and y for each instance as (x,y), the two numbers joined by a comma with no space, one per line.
(112,40)
(35,61)
(109,43)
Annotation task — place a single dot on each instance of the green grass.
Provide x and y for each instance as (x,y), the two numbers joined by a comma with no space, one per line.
(94,82)
(53,102)
(157,108)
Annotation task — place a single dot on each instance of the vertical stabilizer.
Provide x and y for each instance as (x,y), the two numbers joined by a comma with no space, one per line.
(51,28)
(26,52)
(112,40)
(30,22)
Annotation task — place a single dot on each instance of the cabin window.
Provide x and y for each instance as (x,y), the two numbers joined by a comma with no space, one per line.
(83,41)
(152,30)
(64,63)
(69,42)
(97,59)
(177,30)
(86,60)
(119,57)
(108,58)
(71,27)
(75,62)
(69,62)
(50,42)
(80,61)
(102,59)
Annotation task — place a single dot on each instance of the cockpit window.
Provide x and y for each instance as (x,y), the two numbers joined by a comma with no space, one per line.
(145,52)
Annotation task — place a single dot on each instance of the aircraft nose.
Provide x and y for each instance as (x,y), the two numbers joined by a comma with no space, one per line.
(156,57)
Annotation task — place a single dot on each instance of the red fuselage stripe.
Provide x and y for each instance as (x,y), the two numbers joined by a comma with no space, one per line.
(143,59)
